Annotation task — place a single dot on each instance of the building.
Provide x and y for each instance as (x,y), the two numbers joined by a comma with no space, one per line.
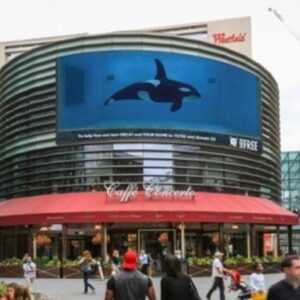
(12,49)
(290,180)
(139,139)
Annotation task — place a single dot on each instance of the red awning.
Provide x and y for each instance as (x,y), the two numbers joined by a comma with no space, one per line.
(98,207)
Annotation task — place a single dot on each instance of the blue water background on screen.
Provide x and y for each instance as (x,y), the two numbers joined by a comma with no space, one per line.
(229,101)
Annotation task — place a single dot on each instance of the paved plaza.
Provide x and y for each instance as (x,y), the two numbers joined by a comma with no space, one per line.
(70,289)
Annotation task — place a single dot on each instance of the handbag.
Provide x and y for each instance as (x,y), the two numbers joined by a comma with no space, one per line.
(259,296)
(193,292)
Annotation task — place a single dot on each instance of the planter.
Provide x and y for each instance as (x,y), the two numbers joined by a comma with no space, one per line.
(72,272)
(48,272)
(272,268)
(199,271)
(244,269)
(75,272)
(11,271)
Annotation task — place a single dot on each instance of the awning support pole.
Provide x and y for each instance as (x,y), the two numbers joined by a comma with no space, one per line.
(182,233)
(104,248)
(277,250)
(248,243)
(290,239)
(253,240)
(221,237)
(64,241)
(34,250)
(30,241)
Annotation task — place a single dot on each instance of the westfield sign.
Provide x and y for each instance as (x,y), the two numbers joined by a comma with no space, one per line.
(222,38)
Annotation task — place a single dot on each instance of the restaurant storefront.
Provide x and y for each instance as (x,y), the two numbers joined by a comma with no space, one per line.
(196,224)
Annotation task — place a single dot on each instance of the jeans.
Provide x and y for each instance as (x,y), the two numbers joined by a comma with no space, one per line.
(86,276)
(218,283)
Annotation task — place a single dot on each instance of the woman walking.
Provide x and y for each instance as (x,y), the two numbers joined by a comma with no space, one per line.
(176,285)
(86,263)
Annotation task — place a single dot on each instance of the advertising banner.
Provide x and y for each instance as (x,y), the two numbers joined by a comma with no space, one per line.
(115,95)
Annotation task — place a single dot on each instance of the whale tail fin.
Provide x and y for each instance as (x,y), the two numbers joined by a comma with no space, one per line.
(161,73)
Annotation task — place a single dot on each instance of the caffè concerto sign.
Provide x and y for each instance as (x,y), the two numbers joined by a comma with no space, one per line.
(151,189)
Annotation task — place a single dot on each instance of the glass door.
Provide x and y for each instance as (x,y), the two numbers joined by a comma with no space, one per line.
(158,243)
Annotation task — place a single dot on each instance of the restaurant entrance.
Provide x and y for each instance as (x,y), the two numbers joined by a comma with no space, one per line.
(157,243)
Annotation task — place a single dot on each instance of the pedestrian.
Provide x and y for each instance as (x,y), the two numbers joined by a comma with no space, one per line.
(29,268)
(130,284)
(145,260)
(257,283)
(289,287)
(11,290)
(115,262)
(218,273)
(176,285)
(86,263)
(22,293)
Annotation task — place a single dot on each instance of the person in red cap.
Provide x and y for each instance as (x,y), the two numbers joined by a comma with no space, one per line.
(129,284)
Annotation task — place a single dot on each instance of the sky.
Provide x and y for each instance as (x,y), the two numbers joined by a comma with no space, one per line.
(274,43)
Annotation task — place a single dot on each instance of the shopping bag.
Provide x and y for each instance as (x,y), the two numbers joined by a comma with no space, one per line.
(259,296)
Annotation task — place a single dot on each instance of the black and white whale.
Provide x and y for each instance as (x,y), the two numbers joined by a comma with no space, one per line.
(161,89)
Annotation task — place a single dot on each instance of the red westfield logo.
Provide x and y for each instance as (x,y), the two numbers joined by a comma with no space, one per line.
(222,38)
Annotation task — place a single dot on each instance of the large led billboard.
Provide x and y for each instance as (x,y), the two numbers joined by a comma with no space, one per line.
(148,94)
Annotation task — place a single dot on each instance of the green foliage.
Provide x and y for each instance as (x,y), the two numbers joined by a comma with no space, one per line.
(202,261)
(3,289)
(44,260)
(70,263)
(231,261)
(234,260)
(13,261)
(191,261)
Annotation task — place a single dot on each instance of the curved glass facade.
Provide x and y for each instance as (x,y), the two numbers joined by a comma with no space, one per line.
(33,164)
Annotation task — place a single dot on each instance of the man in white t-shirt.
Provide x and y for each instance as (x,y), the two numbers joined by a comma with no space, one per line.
(29,268)
(217,274)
